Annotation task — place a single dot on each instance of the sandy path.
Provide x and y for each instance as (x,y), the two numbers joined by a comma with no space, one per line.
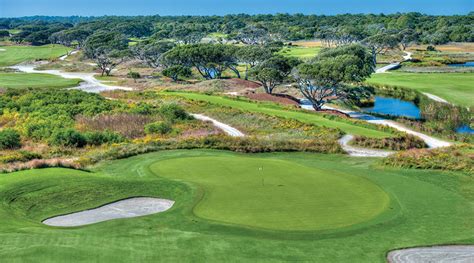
(360,152)
(67,55)
(89,84)
(127,208)
(229,130)
(435,98)
(391,66)
(438,254)
(430,141)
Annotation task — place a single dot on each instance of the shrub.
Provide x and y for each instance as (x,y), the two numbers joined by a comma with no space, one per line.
(69,137)
(133,75)
(173,112)
(105,137)
(430,48)
(19,156)
(9,139)
(403,142)
(159,127)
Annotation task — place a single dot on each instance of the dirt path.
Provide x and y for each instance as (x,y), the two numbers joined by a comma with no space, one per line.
(446,254)
(360,152)
(133,207)
(67,55)
(229,130)
(89,84)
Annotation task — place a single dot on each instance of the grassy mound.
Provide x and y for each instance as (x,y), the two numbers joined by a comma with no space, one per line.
(276,194)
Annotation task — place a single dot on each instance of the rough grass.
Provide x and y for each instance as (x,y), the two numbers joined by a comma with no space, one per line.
(427,208)
(16,54)
(271,109)
(457,88)
(35,80)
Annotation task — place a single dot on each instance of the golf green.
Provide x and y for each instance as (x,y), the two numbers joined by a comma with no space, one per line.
(276,194)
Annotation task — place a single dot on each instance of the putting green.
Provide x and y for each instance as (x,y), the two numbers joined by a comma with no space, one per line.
(276,194)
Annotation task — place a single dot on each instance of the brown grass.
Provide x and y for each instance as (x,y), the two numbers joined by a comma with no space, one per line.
(450,47)
(308,43)
(128,125)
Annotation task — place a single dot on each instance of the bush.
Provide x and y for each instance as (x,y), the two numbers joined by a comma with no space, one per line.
(403,142)
(173,112)
(133,75)
(69,137)
(19,156)
(105,137)
(9,139)
(430,48)
(158,128)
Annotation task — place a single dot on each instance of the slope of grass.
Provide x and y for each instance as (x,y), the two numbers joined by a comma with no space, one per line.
(35,80)
(276,194)
(306,117)
(457,88)
(16,54)
(427,208)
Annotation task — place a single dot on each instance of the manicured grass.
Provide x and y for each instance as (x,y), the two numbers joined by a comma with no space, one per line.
(426,208)
(457,88)
(301,52)
(16,54)
(35,80)
(276,194)
(271,109)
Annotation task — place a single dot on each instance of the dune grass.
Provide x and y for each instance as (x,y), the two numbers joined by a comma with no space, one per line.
(457,88)
(426,208)
(271,109)
(35,80)
(16,54)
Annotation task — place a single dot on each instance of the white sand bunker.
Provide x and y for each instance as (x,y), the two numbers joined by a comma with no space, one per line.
(132,207)
(458,254)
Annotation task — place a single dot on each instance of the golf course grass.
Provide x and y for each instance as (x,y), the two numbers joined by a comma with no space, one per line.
(424,208)
(303,53)
(457,88)
(35,80)
(16,54)
(271,109)
(263,193)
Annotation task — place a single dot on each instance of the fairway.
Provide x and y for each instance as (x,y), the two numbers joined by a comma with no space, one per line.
(425,208)
(301,52)
(16,54)
(276,194)
(35,80)
(274,110)
(457,88)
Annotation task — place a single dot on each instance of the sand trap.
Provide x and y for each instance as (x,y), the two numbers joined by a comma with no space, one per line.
(132,207)
(2,49)
(456,254)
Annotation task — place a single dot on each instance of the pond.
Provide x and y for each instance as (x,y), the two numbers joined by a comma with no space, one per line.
(466,64)
(394,107)
(465,129)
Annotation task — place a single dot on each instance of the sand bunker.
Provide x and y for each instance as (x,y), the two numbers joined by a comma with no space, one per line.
(132,207)
(2,49)
(438,254)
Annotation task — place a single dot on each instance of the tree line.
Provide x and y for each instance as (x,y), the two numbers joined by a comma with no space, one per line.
(249,29)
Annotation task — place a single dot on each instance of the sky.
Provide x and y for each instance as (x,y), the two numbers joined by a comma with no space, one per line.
(16,8)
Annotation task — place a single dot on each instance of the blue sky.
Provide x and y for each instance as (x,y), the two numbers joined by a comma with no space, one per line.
(13,8)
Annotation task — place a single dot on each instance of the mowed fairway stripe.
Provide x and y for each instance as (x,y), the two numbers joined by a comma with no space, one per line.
(276,194)
(311,118)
